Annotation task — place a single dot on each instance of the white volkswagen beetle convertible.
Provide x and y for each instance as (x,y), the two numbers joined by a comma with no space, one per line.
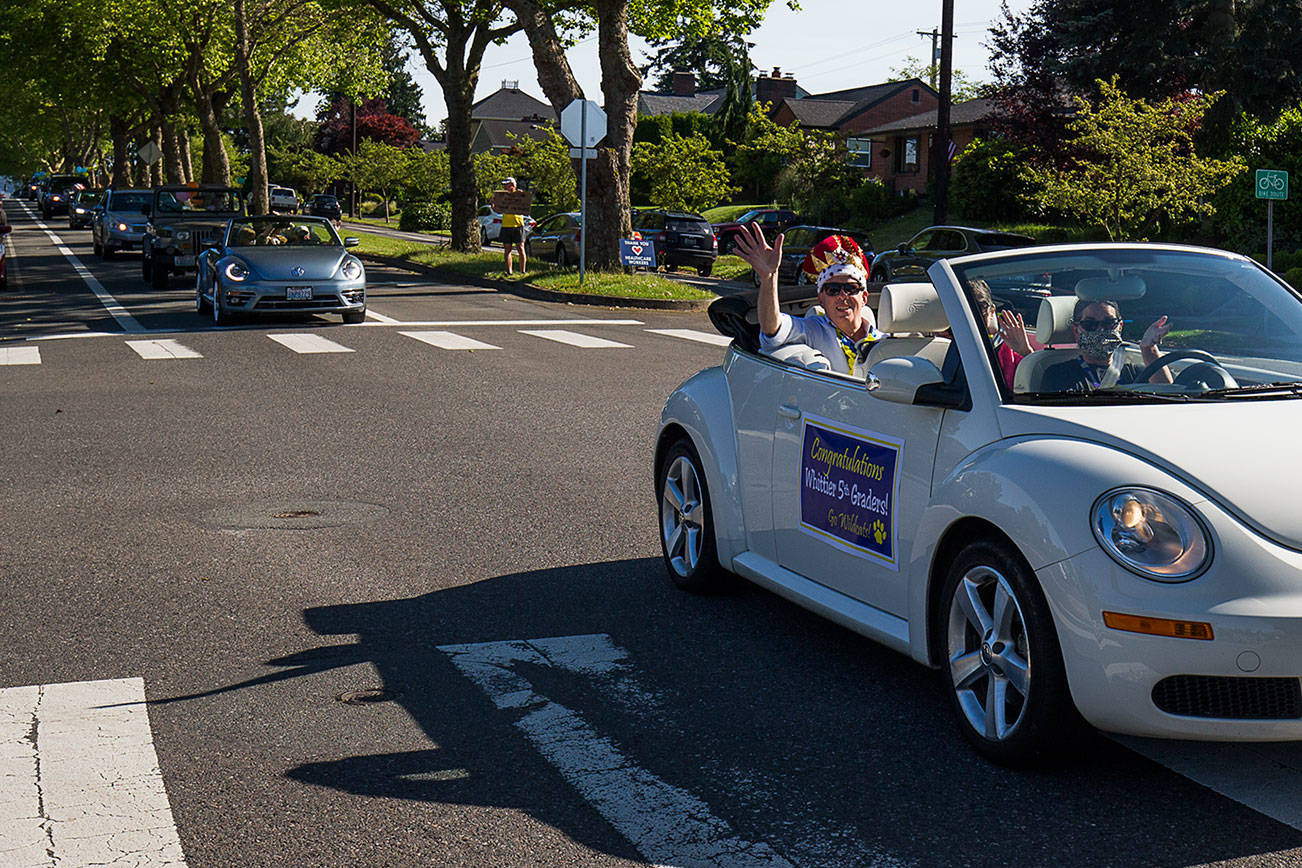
(1127,551)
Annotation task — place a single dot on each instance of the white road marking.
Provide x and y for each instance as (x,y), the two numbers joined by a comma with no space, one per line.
(667,824)
(20,355)
(163,349)
(449,341)
(309,343)
(381,318)
(79,778)
(117,311)
(417,324)
(691,335)
(1265,777)
(574,339)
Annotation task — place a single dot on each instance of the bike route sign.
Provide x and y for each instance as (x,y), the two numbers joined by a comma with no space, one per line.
(1272,184)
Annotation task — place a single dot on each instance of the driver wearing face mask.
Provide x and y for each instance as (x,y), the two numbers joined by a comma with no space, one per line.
(1097,326)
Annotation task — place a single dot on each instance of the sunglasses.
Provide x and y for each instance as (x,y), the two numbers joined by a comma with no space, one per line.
(1092,325)
(835,289)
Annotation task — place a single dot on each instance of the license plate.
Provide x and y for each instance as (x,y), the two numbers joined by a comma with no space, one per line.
(298,293)
(184,261)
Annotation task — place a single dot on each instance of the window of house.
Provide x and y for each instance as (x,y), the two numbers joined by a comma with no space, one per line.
(907,155)
(859,152)
(917,95)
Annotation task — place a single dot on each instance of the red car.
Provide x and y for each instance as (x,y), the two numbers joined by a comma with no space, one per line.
(771,222)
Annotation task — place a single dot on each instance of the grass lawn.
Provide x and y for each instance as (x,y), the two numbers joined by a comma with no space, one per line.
(724,213)
(731,268)
(489,264)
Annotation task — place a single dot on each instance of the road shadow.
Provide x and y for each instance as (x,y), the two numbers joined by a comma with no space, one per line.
(795,732)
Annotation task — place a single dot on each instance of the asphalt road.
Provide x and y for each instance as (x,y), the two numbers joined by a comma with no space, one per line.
(484,552)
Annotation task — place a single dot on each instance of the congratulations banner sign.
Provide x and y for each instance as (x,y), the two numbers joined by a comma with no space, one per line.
(848,487)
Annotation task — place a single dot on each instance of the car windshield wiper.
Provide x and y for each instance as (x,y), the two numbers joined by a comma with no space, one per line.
(1107,396)
(1258,390)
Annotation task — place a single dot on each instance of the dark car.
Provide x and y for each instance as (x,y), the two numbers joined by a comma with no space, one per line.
(911,259)
(681,239)
(81,208)
(325,206)
(799,240)
(771,221)
(557,238)
(183,221)
(55,192)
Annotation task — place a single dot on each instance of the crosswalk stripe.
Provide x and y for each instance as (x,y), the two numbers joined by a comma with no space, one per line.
(379,317)
(20,355)
(692,335)
(163,349)
(81,783)
(574,339)
(449,341)
(309,343)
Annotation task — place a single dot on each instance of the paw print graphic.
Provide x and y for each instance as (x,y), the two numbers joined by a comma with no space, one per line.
(879,532)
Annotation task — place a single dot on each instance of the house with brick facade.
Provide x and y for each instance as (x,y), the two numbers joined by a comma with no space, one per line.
(900,150)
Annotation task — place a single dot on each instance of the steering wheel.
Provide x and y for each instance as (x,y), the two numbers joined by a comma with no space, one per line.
(1209,373)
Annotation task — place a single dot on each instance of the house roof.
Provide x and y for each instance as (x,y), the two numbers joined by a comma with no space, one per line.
(499,133)
(821,113)
(651,104)
(510,104)
(830,110)
(868,93)
(973,111)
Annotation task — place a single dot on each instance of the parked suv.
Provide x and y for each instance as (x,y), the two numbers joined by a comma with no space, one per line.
(324,205)
(771,222)
(283,199)
(183,220)
(799,240)
(681,238)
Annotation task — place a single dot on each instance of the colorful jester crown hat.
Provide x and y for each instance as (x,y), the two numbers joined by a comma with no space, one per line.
(835,254)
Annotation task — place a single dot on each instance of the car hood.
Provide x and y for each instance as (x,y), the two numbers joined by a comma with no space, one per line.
(278,263)
(1245,455)
(127,217)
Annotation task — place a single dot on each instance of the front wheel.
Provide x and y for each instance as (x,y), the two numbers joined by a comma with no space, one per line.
(1003,666)
(146,272)
(686,523)
(200,303)
(161,272)
(219,316)
(353,317)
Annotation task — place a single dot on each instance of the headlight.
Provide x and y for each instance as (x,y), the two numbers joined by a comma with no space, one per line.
(351,269)
(236,271)
(1151,533)
(183,235)
(122,227)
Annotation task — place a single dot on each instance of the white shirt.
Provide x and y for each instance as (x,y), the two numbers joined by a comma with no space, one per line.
(812,329)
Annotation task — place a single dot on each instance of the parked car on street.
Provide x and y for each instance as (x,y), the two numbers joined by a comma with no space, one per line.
(283,200)
(278,264)
(183,220)
(81,208)
(681,238)
(490,225)
(1124,551)
(771,222)
(323,205)
(556,239)
(119,221)
(797,241)
(911,259)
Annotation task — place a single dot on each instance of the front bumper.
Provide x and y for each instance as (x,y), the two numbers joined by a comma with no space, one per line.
(1251,595)
(125,240)
(255,297)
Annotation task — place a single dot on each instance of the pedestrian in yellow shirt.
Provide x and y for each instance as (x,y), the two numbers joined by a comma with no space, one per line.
(512,235)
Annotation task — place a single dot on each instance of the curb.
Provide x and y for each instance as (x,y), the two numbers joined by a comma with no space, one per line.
(537,293)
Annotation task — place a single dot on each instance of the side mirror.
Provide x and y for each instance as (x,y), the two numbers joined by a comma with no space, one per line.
(905,248)
(898,380)
(352,242)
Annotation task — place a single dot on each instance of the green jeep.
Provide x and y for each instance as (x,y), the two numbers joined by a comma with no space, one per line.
(183,220)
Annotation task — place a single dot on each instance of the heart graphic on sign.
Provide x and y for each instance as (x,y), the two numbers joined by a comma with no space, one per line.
(637,249)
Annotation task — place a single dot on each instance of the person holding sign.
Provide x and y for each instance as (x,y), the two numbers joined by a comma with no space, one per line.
(837,265)
(512,235)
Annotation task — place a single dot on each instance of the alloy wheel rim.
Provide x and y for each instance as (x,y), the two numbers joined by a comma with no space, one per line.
(988,653)
(682,515)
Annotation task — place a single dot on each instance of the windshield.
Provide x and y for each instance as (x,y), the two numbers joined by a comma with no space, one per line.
(1137,324)
(749,215)
(136,202)
(220,201)
(273,232)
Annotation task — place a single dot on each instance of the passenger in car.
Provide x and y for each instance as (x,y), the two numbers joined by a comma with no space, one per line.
(1007,330)
(1097,326)
(837,265)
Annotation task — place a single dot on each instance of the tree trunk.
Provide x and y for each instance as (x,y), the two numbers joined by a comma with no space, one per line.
(216,163)
(257,181)
(156,169)
(463,192)
(173,168)
(121,138)
(187,153)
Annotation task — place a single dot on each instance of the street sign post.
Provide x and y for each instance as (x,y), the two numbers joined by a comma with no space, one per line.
(1272,184)
(583,124)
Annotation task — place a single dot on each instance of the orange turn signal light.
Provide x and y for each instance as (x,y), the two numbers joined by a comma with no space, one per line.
(1158,626)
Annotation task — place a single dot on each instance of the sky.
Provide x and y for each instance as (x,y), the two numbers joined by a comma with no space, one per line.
(827,44)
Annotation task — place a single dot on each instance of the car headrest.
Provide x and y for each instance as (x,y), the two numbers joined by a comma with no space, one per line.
(1053,323)
(911,307)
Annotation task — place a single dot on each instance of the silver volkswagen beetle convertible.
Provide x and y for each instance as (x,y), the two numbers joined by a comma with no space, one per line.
(276,264)
(1102,529)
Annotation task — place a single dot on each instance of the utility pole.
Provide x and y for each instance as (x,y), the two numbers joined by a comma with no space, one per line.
(935,54)
(940,145)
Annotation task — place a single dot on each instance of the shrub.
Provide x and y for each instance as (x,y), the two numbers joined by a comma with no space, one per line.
(426,215)
(987,182)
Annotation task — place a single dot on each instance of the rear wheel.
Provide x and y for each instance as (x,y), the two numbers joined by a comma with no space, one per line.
(96,247)
(1003,666)
(146,270)
(686,522)
(705,270)
(881,274)
(560,258)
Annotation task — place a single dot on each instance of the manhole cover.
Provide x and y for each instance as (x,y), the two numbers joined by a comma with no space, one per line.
(291,515)
(369,696)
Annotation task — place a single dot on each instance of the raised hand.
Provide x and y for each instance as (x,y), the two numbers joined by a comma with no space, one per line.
(1153,336)
(752,246)
(1013,330)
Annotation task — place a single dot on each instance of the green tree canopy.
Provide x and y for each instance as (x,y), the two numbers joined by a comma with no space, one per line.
(680,172)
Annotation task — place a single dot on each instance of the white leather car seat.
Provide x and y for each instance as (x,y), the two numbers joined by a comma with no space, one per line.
(909,309)
(1052,328)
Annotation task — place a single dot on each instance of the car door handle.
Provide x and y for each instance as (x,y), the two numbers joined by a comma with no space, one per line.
(788,411)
